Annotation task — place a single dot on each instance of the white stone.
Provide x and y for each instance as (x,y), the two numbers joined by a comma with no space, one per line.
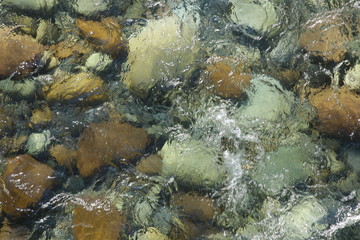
(164,49)
(98,62)
(352,78)
(192,163)
(31,5)
(38,142)
(91,7)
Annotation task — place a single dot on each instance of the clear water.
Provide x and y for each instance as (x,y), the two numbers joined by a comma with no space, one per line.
(276,176)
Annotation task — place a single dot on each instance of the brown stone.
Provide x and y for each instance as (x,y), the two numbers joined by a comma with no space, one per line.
(228,77)
(105,36)
(96,219)
(41,116)
(101,143)
(194,206)
(81,87)
(23,184)
(326,36)
(11,145)
(338,113)
(63,155)
(150,165)
(67,49)
(20,54)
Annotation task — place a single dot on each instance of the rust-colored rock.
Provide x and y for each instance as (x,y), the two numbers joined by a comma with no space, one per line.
(103,142)
(96,219)
(20,54)
(338,113)
(194,206)
(41,116)
(63,155)
(67,49)
(326,36)
(150,165)
(23,184)
(104,36)
(228,77)
(81,87)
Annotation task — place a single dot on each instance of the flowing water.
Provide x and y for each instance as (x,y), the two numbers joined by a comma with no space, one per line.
(180,119)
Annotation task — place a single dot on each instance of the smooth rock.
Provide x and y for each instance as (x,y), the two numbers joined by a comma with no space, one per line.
(24,183)
(101,143)
(38,142)
(150,165)
(98,62)
(66,49)
(81,87)
(163,50)
(31,5)
(338,113)
(90,8)
(192,163)
(352,78)
(63,156)
(20,54)
(41,116)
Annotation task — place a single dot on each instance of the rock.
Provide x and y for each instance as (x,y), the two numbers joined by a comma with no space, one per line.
(227,77)
(105,36)
(337,113)
(41,117)
(6,122)
(20,54)
(26,24)
(23,89)
(352,157)
(352,78)
(90,8)
(150,233)
(98,62)
(47,33)
(101,143)
(326,36)
(81,87)
(31,5)
(195,207)
(96,219)
(150,165)
(38,142)
(63,156)
(259,15)
(24,182)
(67,49)
(11,145)
(168,40)
(74,184)
(192,164)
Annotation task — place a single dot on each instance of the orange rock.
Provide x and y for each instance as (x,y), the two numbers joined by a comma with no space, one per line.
(62,155)
(23,184)
(150,165)
(20,54)
(228,77)
(104,36)
(96,219)
(338,113)
(67,49)
(326,36)
(101,143)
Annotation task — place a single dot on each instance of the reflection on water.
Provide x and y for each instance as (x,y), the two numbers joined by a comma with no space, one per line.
(179,119)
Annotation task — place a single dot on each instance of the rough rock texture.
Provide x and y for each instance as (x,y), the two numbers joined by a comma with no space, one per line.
(20,54)
(228,77)
(23,184)
(338,113)
(101,143)
(67,49)
(352,78)
(41,116)
(31,5)
(105,36)
(96,219)
(326,36)
(150,165)
(84,87)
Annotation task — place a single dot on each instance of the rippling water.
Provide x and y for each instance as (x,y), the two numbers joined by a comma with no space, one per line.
(180,119)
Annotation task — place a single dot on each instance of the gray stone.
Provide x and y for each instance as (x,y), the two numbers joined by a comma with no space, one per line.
(90,7)
(352,78)
(38,142)
(31,5)
(98,62)
(24,89)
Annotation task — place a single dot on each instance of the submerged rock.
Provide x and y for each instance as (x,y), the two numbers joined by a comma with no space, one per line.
(98,62)
(66,49)
(6,122)
(38,142)
(163,50)
(23,89)
(41,116)
(90,8)
(31,5)
(338,113)
(24,182)
(150,165)
(150,233)
(352,78)
(96,219)
(101,143)
(63,155)
(20,54)
(47,33)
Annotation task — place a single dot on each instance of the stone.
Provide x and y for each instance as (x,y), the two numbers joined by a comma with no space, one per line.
(192,163)
(6,122)
(20,54)
(227,77)
(352,78)
(326,36)
(352,156)
(41,117)
(90,8)
(98,62)
(63,155)
(100,143)
(23,184)
(259,15)
(81,87)
(38,142)
(47,33)
(105,36)
(11,145)
(96,219)
(194,206)
(150,165)
(26,24)
(150,233)
(31,5)
(66,49)
(338,113)
(168,40)
(23,89)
